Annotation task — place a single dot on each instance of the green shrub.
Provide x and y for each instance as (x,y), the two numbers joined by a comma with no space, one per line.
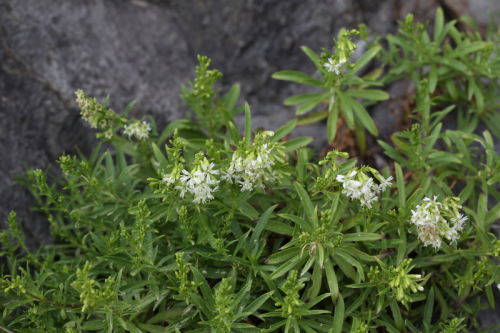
(218,232)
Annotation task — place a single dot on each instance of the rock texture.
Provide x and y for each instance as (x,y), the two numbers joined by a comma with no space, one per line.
(144,50)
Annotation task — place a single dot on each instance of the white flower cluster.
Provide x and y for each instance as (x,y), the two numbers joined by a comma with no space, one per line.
(432,226)
(332,67)
(363,188)
(252,170)
(140,131)
(200,183)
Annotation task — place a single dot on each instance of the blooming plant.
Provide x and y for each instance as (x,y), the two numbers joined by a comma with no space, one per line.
(198,228)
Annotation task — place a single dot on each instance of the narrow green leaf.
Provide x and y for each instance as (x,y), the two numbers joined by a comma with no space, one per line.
(283,131)
(167,314)
(261,224)
(346,108)
(357,303)
(396,314)
(497,271)
(301,165)
(489,294)
(438,24)
(366,57)
(308,106)
(202,305)
(169,130)
(296,143)
(412,328)
(231,98)
(401,185)
(285,268)
(364,117)
(299,77)
(338,317)
(306,201)
(312,118)
(465,49)
(316,280)
(492,215)
(429,307)
(110,166)
(371,94)
(344,266)
(305,225)
(361,237)
(481,212)
(233,131)
(333,116)
(313,56)
(303,98)
(160,157)
(494,179)
(332,281)
(433,78)
(257,304)
(279,228)
(199,280)
(248,126)
(121,163)
(244,291)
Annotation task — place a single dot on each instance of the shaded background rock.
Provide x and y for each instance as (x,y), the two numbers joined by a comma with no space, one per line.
(144,50)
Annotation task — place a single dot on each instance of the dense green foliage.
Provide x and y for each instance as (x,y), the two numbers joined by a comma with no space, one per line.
(200,228)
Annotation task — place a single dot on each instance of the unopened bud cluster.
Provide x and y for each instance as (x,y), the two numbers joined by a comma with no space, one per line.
(398,279)
(223,301)
(454,326)
(185,286)
(291,289)
(205,79)
(90,292)
(17,284)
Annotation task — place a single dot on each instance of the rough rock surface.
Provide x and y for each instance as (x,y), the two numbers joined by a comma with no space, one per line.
(144,50)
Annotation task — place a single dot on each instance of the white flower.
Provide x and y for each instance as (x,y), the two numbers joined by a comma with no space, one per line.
(186,176)
(459,222)
(453,235)
(433,200)
(209,169)
(199,184)
(168,179)
(228,175)
(183,189)
(331,67)
(498,286)
(246,185)
(384,183)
